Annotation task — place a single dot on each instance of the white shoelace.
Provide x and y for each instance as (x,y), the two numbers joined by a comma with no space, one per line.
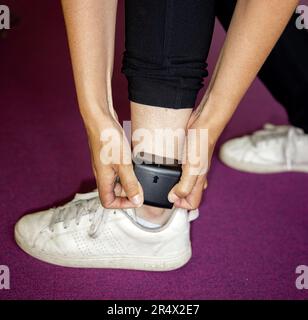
(82,204)
(89,203)
(272,133)
(269,133)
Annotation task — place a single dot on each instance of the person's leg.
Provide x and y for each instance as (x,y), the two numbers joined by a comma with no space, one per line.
(284,72)
(275,148)
(157,118)
(167,43)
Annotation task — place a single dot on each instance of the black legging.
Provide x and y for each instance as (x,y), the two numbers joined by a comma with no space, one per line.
(167,43)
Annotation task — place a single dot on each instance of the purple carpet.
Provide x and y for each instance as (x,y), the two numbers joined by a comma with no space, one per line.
(253,229)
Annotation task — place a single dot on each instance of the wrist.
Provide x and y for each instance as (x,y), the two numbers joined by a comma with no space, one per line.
(215,113)
(92,111)
(94,104)
(96,119)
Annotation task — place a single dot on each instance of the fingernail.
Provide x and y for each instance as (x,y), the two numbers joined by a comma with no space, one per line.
(136,199)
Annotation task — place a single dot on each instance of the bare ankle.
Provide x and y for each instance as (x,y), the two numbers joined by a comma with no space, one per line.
(153,214)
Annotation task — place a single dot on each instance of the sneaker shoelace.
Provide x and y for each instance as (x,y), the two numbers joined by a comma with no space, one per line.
(277,135)
(83,204)
(89,204)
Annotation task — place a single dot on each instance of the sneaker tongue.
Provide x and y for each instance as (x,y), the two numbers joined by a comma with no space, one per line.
(86,196)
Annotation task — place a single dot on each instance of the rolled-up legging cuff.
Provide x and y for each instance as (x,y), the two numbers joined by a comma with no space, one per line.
(160,93)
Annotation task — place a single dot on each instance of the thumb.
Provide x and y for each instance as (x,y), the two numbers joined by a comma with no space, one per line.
(184,187)
(130,184)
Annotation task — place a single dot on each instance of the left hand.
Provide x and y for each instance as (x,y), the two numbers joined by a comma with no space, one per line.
(187,193)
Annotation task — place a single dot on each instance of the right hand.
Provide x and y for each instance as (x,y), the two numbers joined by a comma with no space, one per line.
(126,194)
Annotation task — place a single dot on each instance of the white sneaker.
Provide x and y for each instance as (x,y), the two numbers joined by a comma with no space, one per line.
(84,234)
(273,149)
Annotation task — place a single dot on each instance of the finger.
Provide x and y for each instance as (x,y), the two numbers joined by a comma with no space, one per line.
(185,185)
(205,184)
(105,183)
(192,201)
(118,190)
(120,203)
(116,199)
(131,185)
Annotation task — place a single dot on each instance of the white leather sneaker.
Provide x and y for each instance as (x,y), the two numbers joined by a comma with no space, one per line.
(273,149)
(84,234)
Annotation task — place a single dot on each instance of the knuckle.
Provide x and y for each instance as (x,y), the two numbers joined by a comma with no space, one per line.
(182,192)
(104,201)
(105,204)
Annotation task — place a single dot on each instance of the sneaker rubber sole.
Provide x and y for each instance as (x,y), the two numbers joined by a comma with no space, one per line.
(262,169)
(111,262)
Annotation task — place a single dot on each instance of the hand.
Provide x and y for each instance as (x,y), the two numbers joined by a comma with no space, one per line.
(128,193)
(188,192)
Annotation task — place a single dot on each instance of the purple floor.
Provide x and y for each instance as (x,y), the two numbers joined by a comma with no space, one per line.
(252,232)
